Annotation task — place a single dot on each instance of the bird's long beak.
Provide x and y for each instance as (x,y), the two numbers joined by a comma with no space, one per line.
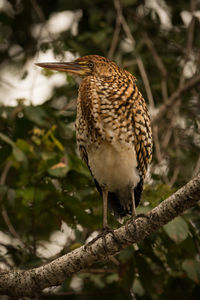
(78,68)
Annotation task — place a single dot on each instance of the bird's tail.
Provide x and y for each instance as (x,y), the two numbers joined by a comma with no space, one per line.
(116,201)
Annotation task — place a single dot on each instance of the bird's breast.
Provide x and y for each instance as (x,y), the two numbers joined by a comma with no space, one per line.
(113,126)
(113,165)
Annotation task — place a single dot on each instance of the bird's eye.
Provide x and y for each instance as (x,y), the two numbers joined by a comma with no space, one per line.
(90,64)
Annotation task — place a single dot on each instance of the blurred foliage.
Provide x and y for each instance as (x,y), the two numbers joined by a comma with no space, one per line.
(44,182)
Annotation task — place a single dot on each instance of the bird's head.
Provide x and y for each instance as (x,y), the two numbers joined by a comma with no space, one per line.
(85,66)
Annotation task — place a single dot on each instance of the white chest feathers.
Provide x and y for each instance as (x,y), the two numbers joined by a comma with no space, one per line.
(113,165)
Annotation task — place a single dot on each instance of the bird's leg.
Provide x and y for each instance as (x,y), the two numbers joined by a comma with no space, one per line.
(105,208)
(134,216)
(105,230)
(133,206)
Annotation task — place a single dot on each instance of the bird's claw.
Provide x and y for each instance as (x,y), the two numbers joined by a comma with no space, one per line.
(110,230)
(104,232)
(141,216)
(132,221)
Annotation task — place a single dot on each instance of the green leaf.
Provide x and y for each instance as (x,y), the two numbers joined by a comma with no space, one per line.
(138,288)
(37,115)
(6,139)
(59,170)
(19,155)
(177,230)
(112,278)
(48,155)
(77,165)
(24,146)
(192,268)
(27,195)
(57,143)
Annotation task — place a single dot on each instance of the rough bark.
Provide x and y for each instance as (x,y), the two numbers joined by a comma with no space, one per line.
(32,282)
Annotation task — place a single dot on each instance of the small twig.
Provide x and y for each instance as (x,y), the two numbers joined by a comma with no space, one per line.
(177,149)
(174,176)
(155,55)
(139,61)
(38,10)
(190,31)
(41,16)
(158,152)
(189,41)
(115,38)
(166,137)
(175,96)
(159,64)
(197,168)
(123,22)
(4,211)
(5,172)
(157,144)
(164,90)
(9,225)
(145,80)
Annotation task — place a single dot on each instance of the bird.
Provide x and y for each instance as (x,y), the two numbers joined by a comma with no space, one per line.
(113,131)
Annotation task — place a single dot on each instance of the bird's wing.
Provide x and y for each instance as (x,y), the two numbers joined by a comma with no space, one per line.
(142,135)
(83,154)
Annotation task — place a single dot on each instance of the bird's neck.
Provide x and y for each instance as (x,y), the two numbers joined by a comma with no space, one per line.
(112,89)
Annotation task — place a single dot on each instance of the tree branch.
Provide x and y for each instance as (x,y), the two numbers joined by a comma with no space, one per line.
(139,61)
(176,95)
(115,38)
(30,282)
(155,55)
(4,212)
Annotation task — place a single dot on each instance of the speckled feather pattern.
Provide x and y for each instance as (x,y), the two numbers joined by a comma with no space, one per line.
(112,112)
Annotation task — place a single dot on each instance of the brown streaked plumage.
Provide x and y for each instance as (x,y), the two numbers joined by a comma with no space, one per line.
(113,131)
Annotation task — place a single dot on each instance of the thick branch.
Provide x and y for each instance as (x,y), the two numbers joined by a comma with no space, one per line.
(29,282)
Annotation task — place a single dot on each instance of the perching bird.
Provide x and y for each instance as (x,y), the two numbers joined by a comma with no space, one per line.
(113,131)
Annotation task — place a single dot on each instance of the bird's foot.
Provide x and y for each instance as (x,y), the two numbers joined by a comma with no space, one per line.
(104,231)
(140,216)
(132,221)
